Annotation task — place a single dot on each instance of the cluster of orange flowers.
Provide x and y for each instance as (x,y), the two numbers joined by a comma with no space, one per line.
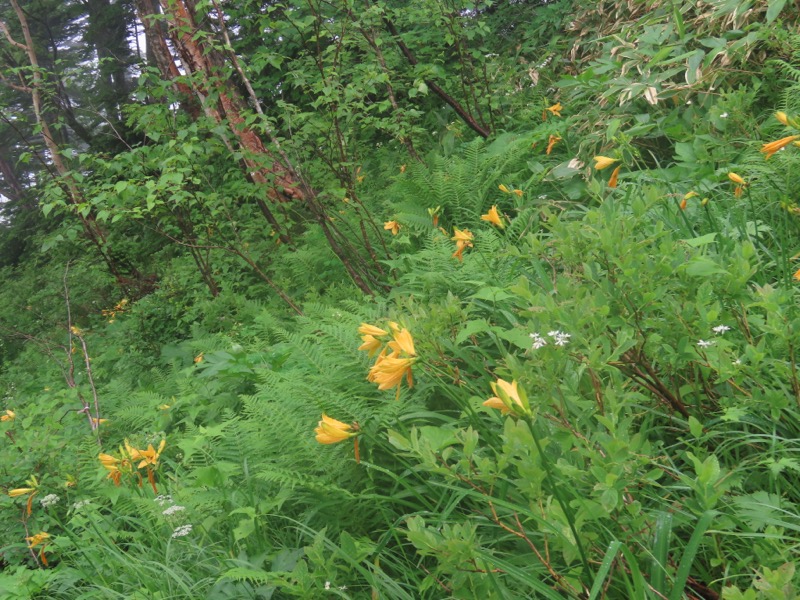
(41,538)
(603,162)
(395,358)
(393,364)
(30,490)
(769,149)
(396,355)
(741,184)
(112,313)
(463,239)
(128,455)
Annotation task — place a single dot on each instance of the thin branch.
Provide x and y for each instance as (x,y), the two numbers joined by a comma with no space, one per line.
(11,40)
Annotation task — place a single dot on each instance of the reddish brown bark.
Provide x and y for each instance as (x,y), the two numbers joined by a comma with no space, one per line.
(265,166)
(158,53)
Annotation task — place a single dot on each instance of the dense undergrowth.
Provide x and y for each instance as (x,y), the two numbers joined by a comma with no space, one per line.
(576,377)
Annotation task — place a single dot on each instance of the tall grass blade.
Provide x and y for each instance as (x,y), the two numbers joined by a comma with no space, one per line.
(689,553)
(658,570)
(605,567)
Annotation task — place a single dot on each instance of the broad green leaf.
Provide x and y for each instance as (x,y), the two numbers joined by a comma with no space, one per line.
(774,9)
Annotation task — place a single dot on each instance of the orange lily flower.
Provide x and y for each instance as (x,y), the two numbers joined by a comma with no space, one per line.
(772,147)
(508,398)
(389,371)
(555,110)
(463,239)
(612,182)
(371,344)
(602,162)
(403,342)
(367,329)
(29,491)
(40,538)
(736,178)
(554,139)
(331,431)
(493,217)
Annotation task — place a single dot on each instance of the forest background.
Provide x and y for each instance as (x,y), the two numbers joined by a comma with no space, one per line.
(399,299)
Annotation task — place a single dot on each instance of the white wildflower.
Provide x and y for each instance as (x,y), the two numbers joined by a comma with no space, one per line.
(173,509)
(162,500)
(723,116)
(720,329)
(737,362)
(49,500)
(704,343)
(182,530)
(559,337)
(327,585)
(81,504)
(538,341)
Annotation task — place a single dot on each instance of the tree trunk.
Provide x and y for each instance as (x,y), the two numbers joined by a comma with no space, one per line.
(271,169)
(90,226)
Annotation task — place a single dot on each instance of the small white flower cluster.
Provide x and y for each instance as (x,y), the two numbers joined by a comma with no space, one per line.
(723,115)
(81,504)
(182,530)
(49,500)
(538,341)
(171,510)
(559,339)
(162,500)
(328,586)
(175,508)
(718,330)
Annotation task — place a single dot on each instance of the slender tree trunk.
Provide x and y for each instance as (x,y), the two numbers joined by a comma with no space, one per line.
(271,169)
(159,54)
(202,261)
(90,226)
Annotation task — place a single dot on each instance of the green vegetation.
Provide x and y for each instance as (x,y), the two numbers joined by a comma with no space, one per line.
(422,299)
